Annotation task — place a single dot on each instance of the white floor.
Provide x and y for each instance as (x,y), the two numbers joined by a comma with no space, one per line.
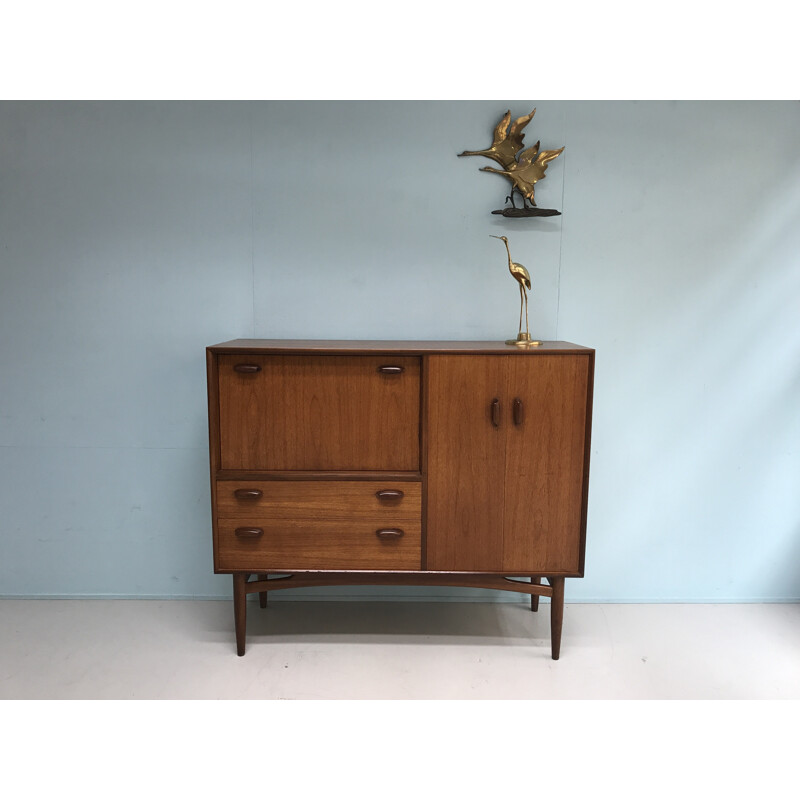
(120,649)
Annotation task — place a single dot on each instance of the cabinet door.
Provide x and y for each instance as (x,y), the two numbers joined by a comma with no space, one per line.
(319,413)
(466,460)
(544,463)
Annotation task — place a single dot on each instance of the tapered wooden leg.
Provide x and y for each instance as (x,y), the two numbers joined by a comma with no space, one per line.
(535,597)
(240,609)
(556,615)
(262,596)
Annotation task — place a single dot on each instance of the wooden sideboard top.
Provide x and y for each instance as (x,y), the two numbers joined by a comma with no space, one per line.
(409,347)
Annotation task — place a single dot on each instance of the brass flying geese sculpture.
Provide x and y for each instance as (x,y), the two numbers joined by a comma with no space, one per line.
(523,278)
(523,169)
(507,141)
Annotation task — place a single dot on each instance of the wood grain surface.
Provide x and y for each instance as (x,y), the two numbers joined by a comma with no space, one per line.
(394,578)
(556,616)
(466,462)
(544,463)
(319,413)
(315,475)
(323,544)
(332,500)
(399,347)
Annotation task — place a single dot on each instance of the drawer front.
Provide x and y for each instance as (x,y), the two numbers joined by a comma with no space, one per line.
(261,544)
(319,412)
(332,500)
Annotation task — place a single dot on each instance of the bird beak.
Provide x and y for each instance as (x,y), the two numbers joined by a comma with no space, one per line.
(494,237)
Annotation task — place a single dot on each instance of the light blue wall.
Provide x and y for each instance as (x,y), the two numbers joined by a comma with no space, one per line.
(132,235)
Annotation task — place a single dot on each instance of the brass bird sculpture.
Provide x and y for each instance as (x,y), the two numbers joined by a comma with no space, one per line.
(507,141)
(523,278)
(523,169)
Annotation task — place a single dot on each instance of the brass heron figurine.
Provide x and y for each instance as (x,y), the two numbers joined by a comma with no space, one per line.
(523,278)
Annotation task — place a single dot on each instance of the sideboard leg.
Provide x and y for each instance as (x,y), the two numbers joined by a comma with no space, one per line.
(240,609)
(535,597)
(262,596)
(556,615)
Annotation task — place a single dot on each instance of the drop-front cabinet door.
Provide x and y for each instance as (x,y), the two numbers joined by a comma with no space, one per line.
(312,412)
(505,491)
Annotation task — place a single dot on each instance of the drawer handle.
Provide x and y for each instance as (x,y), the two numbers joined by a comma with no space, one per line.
(391,369)
(496,413)
(389,494)
(248,494)
(389,533)
(517,411)
(246,368)
(249,533)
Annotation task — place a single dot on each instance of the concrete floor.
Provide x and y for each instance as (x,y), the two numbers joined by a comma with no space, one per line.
(119,649)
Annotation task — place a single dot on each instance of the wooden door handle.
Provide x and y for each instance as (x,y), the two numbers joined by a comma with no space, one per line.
(518,413)
(389,533)
(389,494)
(496,413)
(391,369)
(249,533)
(248,494)
(246,368)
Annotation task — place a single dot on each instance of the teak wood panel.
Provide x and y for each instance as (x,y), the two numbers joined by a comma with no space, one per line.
(320,544)
(342,500)
(544,463)
(320,412)
(466,463)
(386,346)
(508,497)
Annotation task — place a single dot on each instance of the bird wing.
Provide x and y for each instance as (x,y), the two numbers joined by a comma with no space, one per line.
(515,133)
(501,131)
(546,156)
(526,157)
(523,273)
(533,171)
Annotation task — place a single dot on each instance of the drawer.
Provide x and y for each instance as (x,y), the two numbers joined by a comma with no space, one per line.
(315,413)
(343,500)
(261,544)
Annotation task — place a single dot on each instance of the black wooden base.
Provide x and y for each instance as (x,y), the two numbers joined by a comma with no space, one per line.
(527,212)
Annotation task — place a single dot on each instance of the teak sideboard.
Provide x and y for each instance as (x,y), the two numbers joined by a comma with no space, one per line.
(399,463)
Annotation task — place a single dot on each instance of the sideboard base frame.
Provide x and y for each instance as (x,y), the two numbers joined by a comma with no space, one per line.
(263,583)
